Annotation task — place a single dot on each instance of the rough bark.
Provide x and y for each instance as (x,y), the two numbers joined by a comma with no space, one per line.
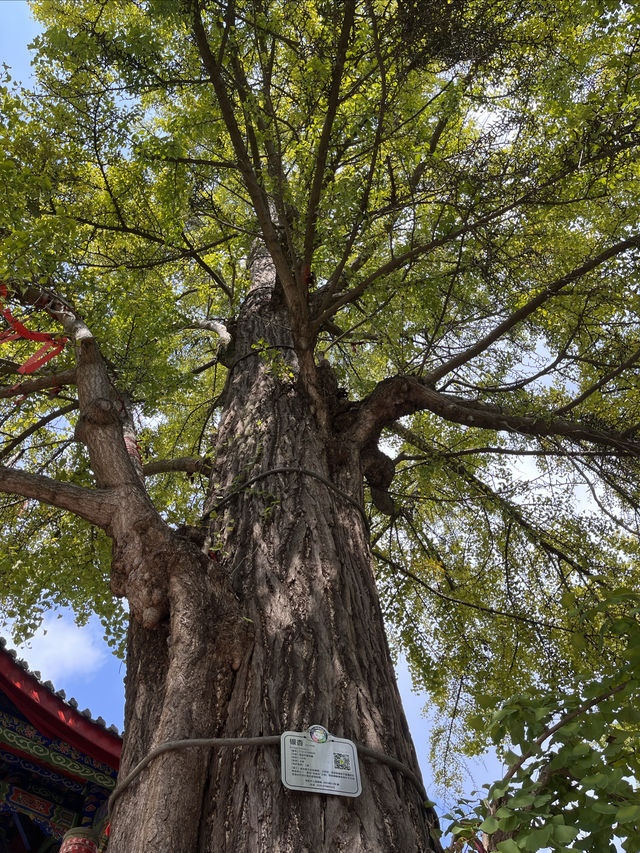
(306,646)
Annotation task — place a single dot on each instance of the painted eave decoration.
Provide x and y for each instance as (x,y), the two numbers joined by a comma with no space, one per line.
(58,765)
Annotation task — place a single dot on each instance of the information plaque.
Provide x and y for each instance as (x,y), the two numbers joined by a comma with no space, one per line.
(318,762)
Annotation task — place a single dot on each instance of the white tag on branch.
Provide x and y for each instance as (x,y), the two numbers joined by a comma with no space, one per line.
(318,762)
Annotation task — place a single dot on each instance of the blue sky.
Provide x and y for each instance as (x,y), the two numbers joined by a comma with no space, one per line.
(78,660)
(17,29)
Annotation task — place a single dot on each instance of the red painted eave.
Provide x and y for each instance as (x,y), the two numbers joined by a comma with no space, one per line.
(53,717)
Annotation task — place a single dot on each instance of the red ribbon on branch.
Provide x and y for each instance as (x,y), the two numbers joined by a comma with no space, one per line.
(52,345)
(133,448)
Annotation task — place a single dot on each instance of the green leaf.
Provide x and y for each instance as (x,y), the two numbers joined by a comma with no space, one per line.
(537,839)
(564,834)
(603,807)
(489,825)
(504,812)
(508,846)
(628,814)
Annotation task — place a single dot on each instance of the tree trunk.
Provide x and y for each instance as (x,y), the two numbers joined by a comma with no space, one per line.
(287,529)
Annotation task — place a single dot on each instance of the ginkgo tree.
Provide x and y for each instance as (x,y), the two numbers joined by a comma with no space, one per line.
(321,316)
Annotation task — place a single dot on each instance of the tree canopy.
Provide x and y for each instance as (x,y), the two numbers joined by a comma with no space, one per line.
(449,193)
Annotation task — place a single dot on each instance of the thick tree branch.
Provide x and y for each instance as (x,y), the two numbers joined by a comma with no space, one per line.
(106,427)
(8,368)
(507,451)
(293,292)
(274,148)
(359,218)
(93,505)
(404,395)
(325,136)
(210,326)
(53,380)
(507,387)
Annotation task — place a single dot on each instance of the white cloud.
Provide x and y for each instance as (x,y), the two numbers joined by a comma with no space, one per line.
(60,650)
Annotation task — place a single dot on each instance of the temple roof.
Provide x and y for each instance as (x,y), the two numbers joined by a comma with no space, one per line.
(51,713)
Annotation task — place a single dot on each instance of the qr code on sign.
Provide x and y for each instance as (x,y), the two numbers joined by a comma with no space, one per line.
(341,761)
